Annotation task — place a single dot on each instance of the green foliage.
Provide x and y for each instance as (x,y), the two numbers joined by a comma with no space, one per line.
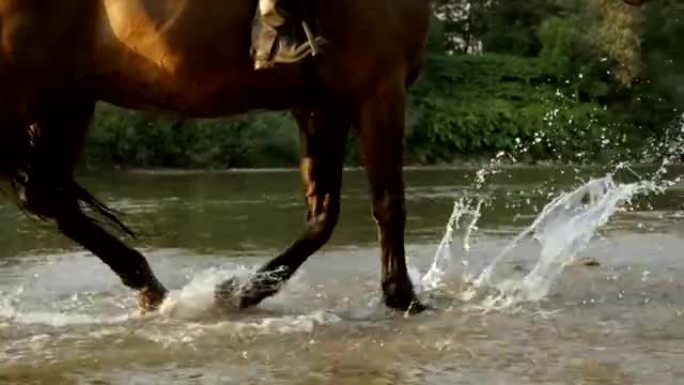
(480,105)
(512,26)
(559,37)
(129,138)
(659,97)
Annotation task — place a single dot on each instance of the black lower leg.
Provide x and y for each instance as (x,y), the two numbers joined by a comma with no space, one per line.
(47,189)
(323,135)
(127,263)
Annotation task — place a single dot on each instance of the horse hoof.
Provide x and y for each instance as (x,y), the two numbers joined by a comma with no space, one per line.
(233,294)
(414,307)
(417,307)
(227,294)
(408,304)
(399,295)
(150,298)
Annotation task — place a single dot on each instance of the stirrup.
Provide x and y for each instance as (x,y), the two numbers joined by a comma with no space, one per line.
(283,51)
(314,43)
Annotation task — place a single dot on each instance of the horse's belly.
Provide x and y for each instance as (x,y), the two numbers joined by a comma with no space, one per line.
(224,94)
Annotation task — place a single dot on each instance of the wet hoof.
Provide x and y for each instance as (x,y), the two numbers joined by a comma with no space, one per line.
(150,298)
(226,295)
(410,306)
(402,298)
(585,261)
(231,294)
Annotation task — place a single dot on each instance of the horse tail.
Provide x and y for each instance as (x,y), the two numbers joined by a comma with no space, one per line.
(40,190)
(84,197)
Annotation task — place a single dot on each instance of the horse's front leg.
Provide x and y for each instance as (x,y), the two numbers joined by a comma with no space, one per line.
(380,122)
(128,264)
(323,138)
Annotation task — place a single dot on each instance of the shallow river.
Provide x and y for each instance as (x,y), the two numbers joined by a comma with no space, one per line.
(66,319)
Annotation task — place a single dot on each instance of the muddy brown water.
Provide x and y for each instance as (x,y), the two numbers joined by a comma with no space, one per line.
(66,319)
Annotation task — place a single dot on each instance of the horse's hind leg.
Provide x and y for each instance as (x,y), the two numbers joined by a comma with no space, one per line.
(323,137)
(50,191)
(380,124)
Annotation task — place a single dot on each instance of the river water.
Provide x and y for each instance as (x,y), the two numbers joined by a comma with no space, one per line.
(66,319)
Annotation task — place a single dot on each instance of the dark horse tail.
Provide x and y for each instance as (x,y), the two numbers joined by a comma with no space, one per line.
(84,197)
(42,188)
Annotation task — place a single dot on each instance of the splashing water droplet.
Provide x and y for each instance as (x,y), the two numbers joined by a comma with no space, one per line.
(563,228)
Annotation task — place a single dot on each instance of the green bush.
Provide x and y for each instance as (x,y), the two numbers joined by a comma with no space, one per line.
(126,138)
(480,105)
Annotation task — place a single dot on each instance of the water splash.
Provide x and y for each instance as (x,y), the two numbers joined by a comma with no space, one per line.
(197,297)
(193,304)
(11,312)
(465,214)
(467,210)
(563,229)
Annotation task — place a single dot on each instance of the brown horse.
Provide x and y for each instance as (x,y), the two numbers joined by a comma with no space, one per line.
(58,58)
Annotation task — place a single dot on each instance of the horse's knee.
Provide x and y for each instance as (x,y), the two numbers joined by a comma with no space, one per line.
(389,210)
(320,227)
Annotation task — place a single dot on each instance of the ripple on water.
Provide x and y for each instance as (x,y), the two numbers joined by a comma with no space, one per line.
(286,344)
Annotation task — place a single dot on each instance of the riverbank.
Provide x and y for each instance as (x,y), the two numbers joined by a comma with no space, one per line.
(466,165)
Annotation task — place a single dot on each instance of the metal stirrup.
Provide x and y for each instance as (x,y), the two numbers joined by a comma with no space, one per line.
(310,38)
